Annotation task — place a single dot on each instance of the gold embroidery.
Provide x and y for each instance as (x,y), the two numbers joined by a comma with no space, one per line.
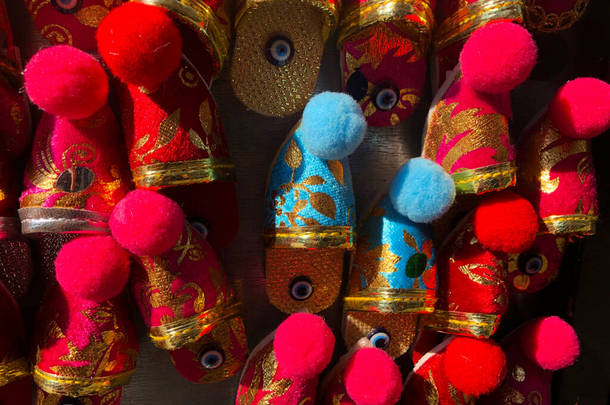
(265,370)
(91,16)
(462,323)
(494,278)
(432,396)
(293,156)
(518,373)
(56,34)
(537,18)
(188,77)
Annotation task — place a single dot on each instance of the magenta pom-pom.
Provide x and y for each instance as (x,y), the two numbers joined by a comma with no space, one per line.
(581,108)
(303,345)
(95,268)
(551,343)
(498,57)
(147,223)
(372,377)
(66,82)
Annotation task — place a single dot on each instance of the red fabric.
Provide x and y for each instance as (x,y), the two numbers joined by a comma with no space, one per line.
(140,44)
(147,223)
(66,82)
(303,345)
(17,392)
(73,24)
(95,268)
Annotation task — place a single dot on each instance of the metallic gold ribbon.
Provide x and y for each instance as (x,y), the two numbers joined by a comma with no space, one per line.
(537,18)
(57,220)
(198,15)
(159,175)
(582,224)
(483,179)
(13,370)
(462,323)
(362,15)
(391,300)
(174,335)
(311,237)
(328,8)
(79,386)
(463,22)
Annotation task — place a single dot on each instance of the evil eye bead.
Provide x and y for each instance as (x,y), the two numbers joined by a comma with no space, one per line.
(357,85)
(211,358)
(532,264)
(386,98)
(279,51)
(201,225)
(301,289)
(69,401)
(67,6)
(379,338)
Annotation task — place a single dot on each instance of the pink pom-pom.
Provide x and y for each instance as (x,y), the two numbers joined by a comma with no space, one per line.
(581,108)
(66,82)
(303,345)
(498,57)
(140,44)
(147,223)
(95,268)
(474,366)
(550,342)
(372,378)
(505,222)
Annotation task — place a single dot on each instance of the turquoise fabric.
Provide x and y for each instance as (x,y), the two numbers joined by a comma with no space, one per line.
(305,190)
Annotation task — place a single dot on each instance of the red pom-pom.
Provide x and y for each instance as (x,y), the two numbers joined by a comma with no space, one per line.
(303,345)
(550,342)
(498,57)
(474,366)
(372,378)
(66,82)
(147,223)
(140,44)
(581,108)
(505,222)
(92,267)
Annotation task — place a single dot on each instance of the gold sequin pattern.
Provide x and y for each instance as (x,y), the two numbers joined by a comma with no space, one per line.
(15,266)
(538,19)
(262,86)
(324,267)
(401,328)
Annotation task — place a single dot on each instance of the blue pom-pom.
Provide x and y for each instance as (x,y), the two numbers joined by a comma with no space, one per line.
(332,126)
(422,190)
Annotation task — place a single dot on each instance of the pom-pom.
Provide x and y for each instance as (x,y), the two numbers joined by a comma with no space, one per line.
(95,268)
(581,108)
(474,366)
(550,342)
(372,378)
(66,82)
(147,223)
(505,222)
(303,345)
(332,125)
(140,44)
(498,57)
(422,190)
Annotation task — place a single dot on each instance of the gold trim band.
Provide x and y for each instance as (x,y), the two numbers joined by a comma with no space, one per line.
(199,16)
(418,27)
(483,179)
(79,387)
(462,323)
(13,370)
(538,19)
(308,237)
(571,224)
(159,175)
(461,24)
(59,220)
(391,300)
(174,335)
(329,9)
